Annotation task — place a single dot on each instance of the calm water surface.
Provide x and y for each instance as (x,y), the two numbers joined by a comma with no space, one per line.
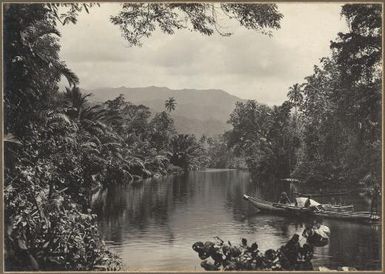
(153,224)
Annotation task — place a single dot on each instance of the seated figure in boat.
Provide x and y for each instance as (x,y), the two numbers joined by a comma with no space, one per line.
(284,199)
(306,202)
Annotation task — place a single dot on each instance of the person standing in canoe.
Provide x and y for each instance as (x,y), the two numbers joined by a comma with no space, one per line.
(375,194)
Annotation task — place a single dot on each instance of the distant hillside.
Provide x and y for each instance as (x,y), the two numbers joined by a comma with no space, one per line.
(197,111)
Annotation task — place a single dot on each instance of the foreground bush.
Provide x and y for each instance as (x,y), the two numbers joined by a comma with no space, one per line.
(221,256)
(48,222)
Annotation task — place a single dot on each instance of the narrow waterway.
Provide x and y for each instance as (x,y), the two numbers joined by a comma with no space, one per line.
(153,224)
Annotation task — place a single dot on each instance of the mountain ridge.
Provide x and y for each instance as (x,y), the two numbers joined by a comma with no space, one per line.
(198,111)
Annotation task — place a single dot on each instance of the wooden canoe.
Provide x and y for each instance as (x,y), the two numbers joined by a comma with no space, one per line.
(364,217)
(263,205)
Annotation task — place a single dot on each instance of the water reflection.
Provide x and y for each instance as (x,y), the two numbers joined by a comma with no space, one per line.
(153,224)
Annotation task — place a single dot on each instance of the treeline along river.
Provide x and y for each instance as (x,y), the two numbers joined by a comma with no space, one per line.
(152,225)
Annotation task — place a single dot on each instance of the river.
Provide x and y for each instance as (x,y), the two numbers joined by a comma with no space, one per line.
(152,225)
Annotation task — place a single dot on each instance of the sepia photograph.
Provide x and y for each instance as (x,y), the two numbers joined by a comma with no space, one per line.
(192,136)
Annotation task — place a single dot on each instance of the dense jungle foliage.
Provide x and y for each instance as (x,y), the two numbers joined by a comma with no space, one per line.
(60,148)
(329,129)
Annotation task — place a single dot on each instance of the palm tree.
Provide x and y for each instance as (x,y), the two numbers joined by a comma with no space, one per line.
(76,101)
(295,95)
(170,104)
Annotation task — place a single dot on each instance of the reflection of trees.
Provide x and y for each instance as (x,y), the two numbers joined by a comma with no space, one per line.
(182,188)
(236,184)
(136,207)
(133,207)
(141,206)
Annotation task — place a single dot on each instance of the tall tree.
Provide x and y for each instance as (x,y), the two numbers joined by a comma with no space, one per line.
(32,67)
(264,136)
(359,50)
(341,108)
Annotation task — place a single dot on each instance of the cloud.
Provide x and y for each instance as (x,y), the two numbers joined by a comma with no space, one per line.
(247,64)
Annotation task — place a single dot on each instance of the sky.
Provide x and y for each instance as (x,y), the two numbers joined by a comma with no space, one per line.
(247,64)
